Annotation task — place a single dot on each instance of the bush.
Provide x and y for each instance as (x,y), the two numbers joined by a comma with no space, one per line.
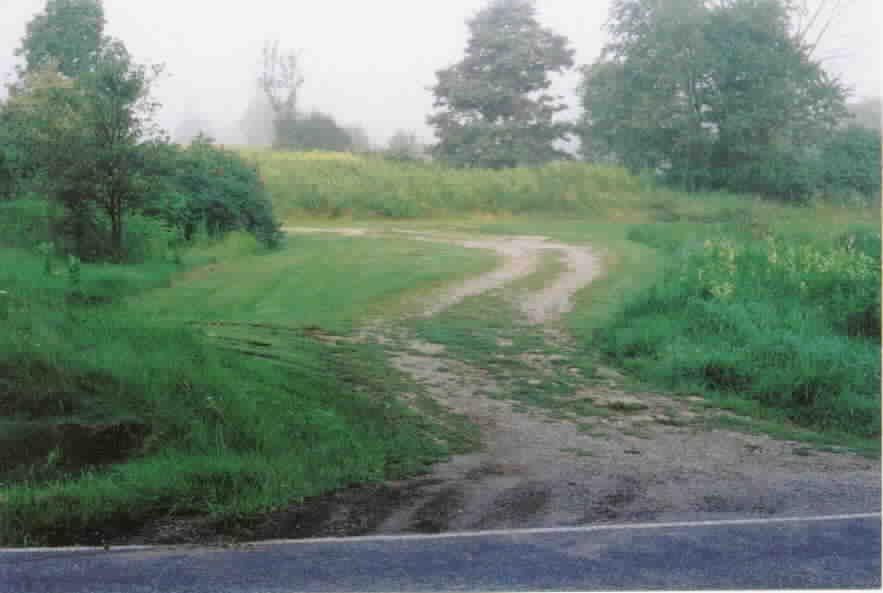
(204,186)
(149,239)
(25,222)
(851,161)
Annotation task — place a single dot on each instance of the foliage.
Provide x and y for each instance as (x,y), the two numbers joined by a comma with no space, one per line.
(194,423)
(791,323)
(280,81)
(67,32)
(30,117)
(10,160)
(84,135)
(850,159)
(493,106)
(204,187)
(25,222)
(335,184)
(317,131)
(715,95)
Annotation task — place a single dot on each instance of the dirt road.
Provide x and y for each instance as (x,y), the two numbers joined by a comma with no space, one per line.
(649,457)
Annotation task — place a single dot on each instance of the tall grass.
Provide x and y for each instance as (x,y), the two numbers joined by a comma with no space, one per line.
(791,321)
(110,416)
(341,184)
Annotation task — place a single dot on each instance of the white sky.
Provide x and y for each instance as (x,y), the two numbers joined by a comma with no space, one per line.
(367,62)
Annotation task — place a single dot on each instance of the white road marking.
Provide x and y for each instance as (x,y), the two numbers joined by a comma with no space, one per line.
(461,534)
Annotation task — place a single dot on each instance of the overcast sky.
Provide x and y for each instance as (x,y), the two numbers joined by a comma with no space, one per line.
(367,62)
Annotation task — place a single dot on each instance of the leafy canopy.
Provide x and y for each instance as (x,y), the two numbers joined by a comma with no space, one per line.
(714,94)
(493,106)
(67,31)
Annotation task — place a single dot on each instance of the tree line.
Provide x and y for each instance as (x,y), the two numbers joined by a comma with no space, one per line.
(78,130)
(703,94)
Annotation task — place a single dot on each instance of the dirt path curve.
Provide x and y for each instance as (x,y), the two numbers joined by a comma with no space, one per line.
(521,258)
(646,457)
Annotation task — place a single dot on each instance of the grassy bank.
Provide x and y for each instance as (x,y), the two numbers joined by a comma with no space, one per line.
(117,410)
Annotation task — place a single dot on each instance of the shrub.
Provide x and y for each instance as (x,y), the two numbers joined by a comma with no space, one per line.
(206,186)
(851,161)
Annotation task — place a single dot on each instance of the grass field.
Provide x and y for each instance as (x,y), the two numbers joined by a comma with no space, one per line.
(206,379)
(126,411)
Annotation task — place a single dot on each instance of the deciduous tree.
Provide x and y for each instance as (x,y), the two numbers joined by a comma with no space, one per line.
(714,94)
(88,138)
(281,80)
(319,131)
(68,32)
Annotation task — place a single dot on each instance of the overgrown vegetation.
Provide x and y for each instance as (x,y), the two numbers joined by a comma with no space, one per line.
(342,184)
(787,321)
(163,352)
(78,129)
(720,95)
(189,399)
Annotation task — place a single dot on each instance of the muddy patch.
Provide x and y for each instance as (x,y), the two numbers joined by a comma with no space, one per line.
(437,513)
(515,506)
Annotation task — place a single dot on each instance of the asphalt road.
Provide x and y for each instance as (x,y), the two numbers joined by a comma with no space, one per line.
(828,552)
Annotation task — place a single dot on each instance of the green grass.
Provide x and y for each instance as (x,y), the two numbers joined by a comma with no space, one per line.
(778,352)
(213,385)
(342,185)
(117,411)
(321,281)
(790,323)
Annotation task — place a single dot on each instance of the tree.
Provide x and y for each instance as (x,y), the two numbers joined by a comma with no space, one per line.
(713,94)
(205,187)
(257,122)
(88,137)
(30,100)
(850,160)
(319,131)
(69,32)
(493,106)
(281,80)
